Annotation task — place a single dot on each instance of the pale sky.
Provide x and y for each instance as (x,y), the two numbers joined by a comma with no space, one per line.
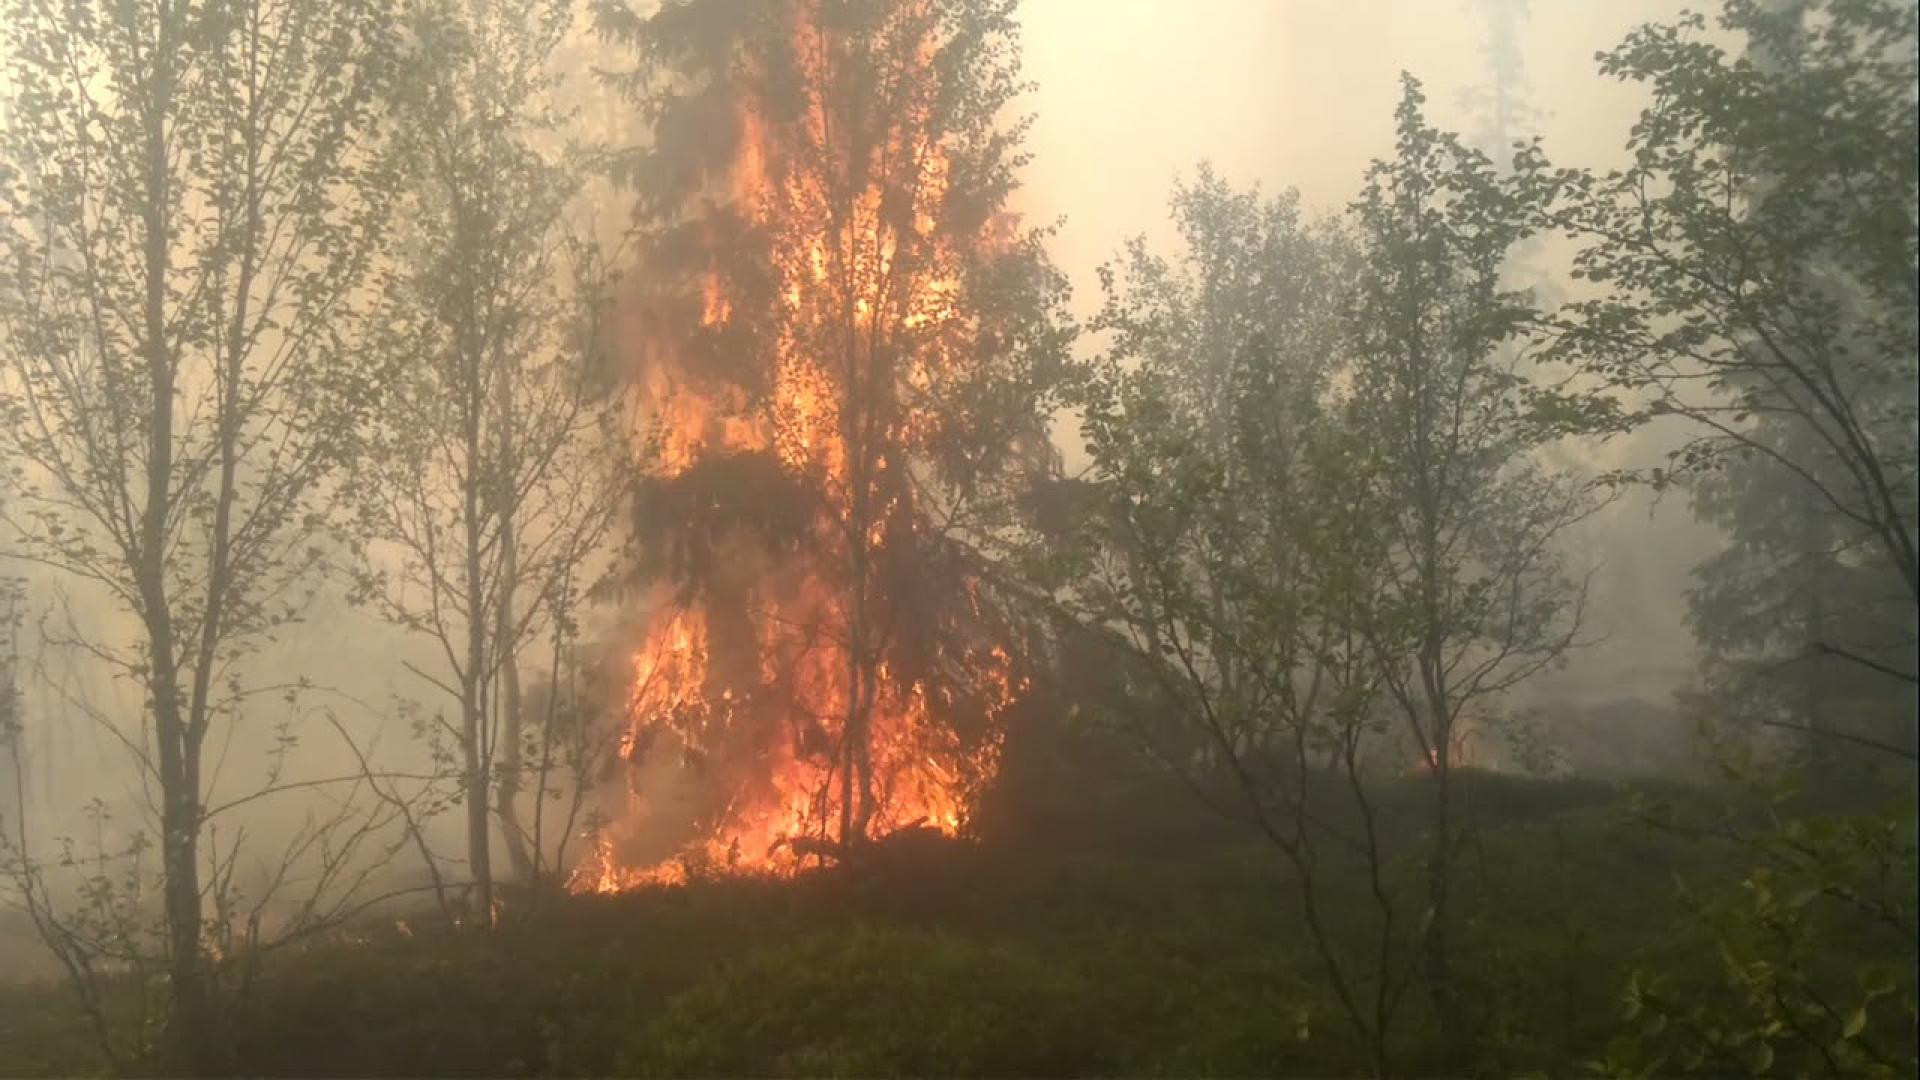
(1286,93)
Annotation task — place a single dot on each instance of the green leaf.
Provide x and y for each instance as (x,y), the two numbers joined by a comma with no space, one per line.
(1855,1023)
(1634,997)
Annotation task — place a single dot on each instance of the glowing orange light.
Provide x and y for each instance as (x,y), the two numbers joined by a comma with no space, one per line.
(892,275)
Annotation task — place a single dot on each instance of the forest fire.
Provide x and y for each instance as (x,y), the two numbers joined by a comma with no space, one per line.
(592,537)
(816,669)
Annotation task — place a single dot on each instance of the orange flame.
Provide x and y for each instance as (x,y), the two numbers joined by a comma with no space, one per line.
(764,740)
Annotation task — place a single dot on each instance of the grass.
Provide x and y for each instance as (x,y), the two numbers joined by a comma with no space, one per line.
(1180,953)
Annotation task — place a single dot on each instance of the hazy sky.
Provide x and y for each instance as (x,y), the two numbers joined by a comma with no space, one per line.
(1287,93)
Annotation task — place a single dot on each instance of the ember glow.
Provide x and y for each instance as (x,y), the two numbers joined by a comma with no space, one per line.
(798,687)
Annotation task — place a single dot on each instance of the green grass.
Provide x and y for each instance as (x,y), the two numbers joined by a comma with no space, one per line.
(1181,954)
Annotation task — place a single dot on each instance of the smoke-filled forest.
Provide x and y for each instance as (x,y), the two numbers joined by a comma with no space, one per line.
(959,537)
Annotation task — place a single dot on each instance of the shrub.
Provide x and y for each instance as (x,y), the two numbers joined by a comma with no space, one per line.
(876,1002)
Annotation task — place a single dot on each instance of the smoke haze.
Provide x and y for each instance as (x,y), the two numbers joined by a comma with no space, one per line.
(1129,97)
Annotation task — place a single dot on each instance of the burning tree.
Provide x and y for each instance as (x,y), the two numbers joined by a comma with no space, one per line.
(841,353)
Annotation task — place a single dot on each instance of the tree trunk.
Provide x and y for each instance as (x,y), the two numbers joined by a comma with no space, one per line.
(1440,710)
(1438,959)
(192,1042)
(475,773)
(856,785)
(863,660)
(190,1036)
(854,758)
(479,846)
(474,748)
(1439,970)
(505,639)
(1440,856)
(863,752)
(1814,684)
(519,854)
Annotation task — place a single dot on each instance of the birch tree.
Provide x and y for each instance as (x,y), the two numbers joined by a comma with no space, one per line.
(1474,596)
(188,212)
(487,492)
(1224,552)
